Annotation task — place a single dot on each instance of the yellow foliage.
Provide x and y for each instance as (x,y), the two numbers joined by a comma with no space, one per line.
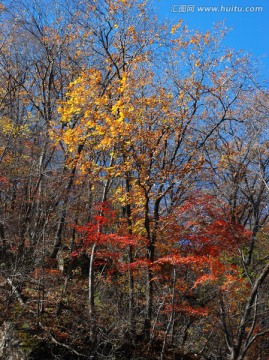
(176,27)
(9,128)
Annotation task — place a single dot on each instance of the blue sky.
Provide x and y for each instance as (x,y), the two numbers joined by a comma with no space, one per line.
(250,26)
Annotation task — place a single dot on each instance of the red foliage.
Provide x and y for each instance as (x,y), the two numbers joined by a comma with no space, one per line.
(203,226)
(103,231)
(198,240)
(194,242)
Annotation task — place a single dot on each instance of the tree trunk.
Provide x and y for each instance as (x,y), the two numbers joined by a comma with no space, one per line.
(92,292)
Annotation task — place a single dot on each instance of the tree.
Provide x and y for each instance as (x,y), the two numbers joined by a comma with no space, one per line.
(152,120)
(150,130)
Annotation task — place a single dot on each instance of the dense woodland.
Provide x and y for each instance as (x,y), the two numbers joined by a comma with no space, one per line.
(134,186)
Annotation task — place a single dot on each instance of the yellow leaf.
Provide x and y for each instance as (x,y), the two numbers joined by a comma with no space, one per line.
(175,27)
